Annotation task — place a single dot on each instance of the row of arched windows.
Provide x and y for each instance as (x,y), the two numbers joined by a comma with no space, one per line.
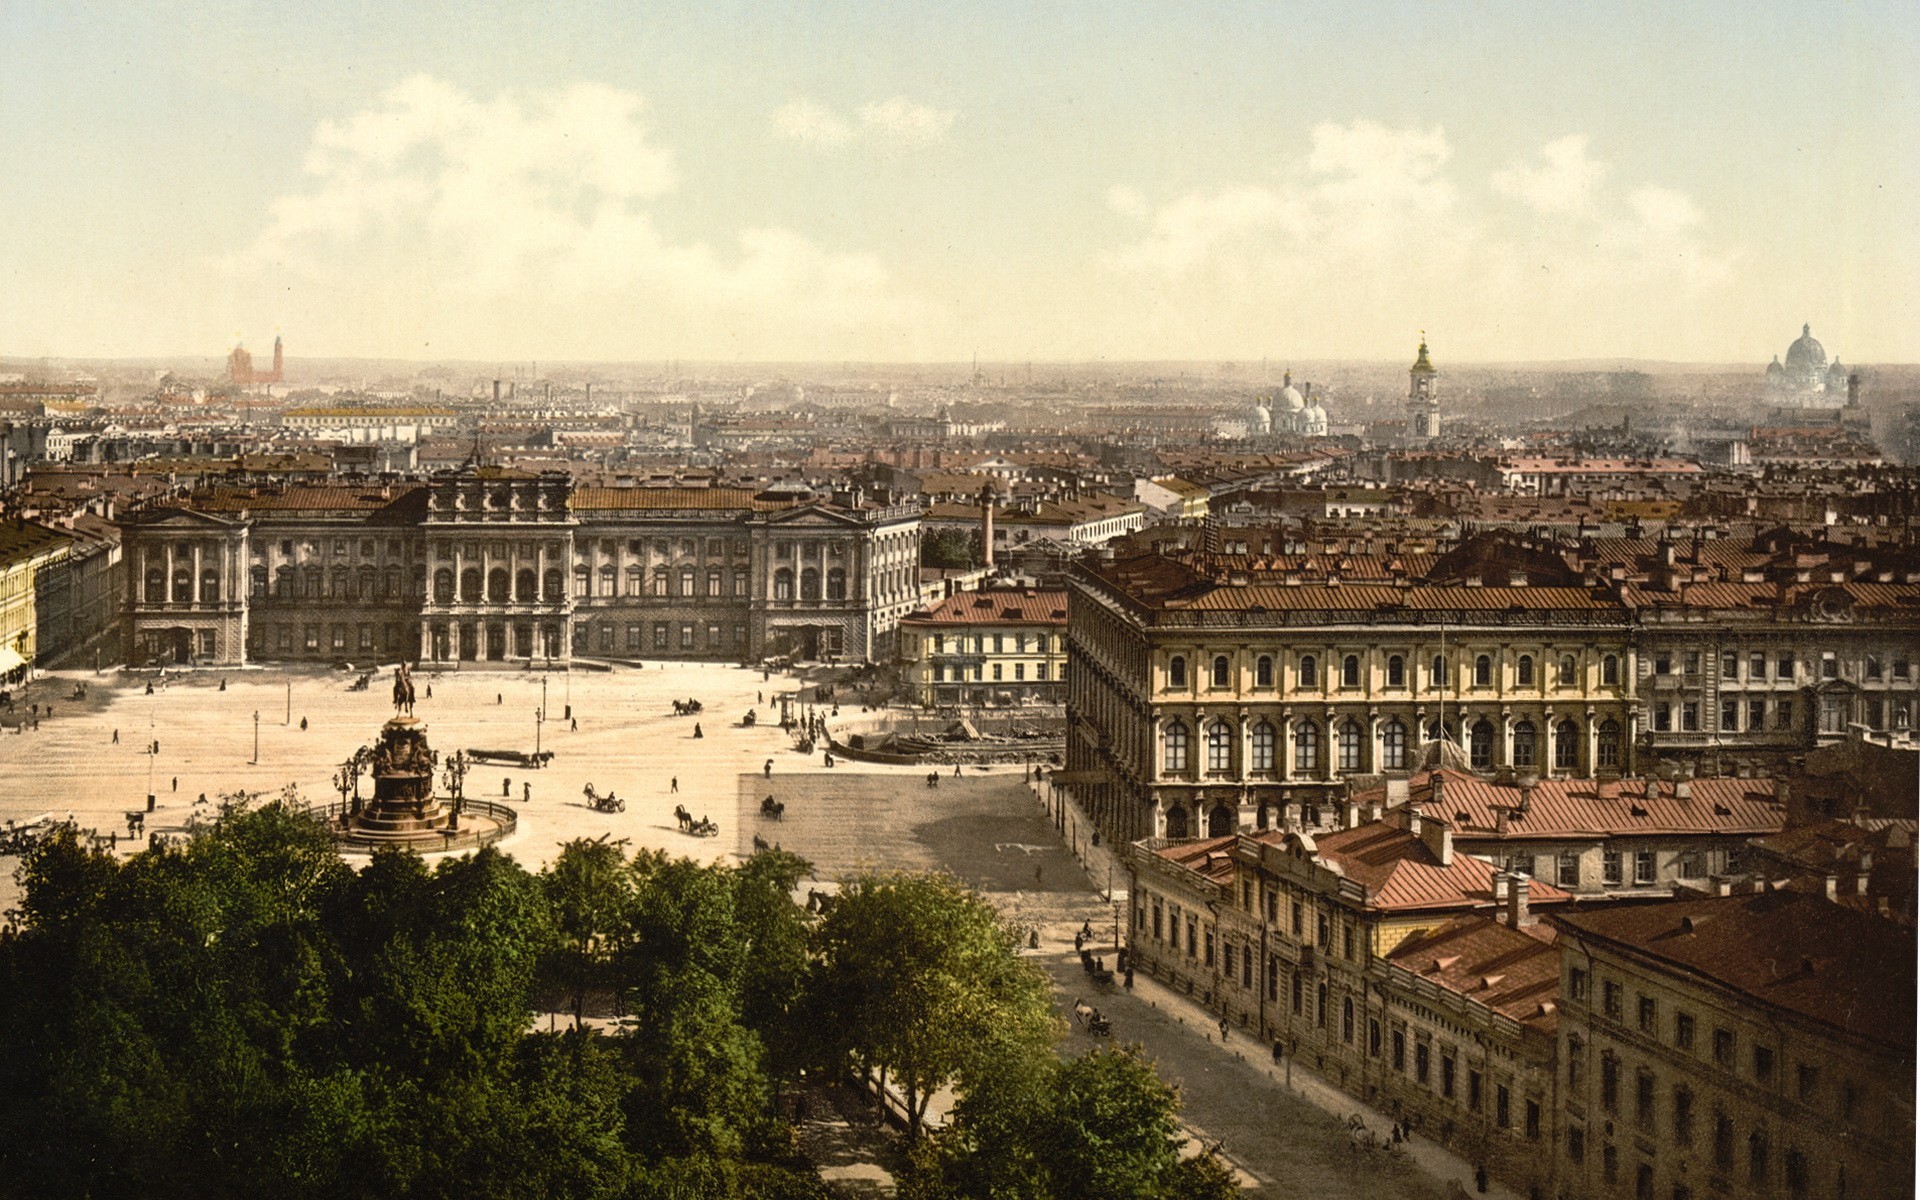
(1350,741)
(1351,671)
(836,588)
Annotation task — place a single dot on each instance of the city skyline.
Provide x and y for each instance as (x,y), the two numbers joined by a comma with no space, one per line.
(1084,184)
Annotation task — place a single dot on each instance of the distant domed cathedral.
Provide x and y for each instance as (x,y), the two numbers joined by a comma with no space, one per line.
(1806,379)
(1289,412)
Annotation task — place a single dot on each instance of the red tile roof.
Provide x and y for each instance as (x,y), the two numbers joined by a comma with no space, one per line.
(653,498)
(1825,962)
(1562,808)
(1515,972)
(1025,606)
(1401,873)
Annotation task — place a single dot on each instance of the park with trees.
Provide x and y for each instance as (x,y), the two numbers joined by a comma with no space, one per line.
(243,1014)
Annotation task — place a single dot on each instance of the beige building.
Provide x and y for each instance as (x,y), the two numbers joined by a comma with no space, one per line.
(1355,953)
(1742,1045)
(1207,698)
(993,646)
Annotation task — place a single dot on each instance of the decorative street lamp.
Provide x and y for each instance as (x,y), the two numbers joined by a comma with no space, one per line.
(255,760)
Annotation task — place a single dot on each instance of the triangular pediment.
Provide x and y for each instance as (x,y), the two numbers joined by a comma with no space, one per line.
(180,518)
(812,517)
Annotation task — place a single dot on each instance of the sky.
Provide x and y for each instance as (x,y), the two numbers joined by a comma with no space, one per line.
(1044,180)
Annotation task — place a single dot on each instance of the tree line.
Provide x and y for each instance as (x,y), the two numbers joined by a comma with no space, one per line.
(245,1015)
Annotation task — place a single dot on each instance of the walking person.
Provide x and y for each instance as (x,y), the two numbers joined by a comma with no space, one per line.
(526,791)
(1480,1178)
(573,724)
(176,783)
(116,737)
(674,786)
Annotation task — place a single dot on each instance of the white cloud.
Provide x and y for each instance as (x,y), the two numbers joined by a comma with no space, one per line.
(528,220)
(905,121)
(1374,233)
(1564,182)
(805,121)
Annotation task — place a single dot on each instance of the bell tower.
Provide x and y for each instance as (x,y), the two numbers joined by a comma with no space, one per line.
(1423,400)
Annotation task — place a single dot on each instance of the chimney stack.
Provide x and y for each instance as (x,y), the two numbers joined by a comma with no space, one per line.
(1517,914)
(986,525)
(496,391)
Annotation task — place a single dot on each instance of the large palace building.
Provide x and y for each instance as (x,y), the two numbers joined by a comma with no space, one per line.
(498,566)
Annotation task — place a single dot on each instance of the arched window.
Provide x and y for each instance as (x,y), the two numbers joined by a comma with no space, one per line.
(1436,732)
(497,585)
(1306,746)
(636,580)
(1610,670)
(1439,670)
(1350,671)
(551,586)
(342,583)
(1309,671)
(443,586)
(1566,746)
(1176,823)
(782,583)
(1220,821)
(1482,670)
(1263,746)
(1569,670)
(1346,1020)
(1174,746)
(1219,747)
(317,583)
(369,581)
(183,583)
(717,583)
(1396,671)
(1177,671)
(1393,746)
(1609,744)
(257,583)
(1523,671)
(582,583)
(1351,739)
(810,583)
(1222,671)
(1480,745)
(1263,671)
(526,586)
(1523,744)
(156,585)
(393,583)
(470,584)
(836,583)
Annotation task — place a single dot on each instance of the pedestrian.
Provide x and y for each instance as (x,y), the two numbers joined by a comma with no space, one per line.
(506,786)
(956,768)
(1079,940)
(1036,874)
(769,768)
(1129,978)
(674,786)
(698,734)
(759,697)
(499,698)
(526,791)
(303,724)
(1278,1052)
(1223,1029)
(1480,1178)
(116,737)
(149,687)
(429,691)
(176,783)
(573,724)
(156,745)
(223,685)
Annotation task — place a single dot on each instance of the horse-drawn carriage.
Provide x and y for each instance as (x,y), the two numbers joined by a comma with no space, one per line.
(751,719)
(686,708)
(773,808)
(704,827)
(514,758)
(1092,1019)
(606,804)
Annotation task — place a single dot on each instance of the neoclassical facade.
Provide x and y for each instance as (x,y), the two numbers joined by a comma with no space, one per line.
(1203,702)
(487,565)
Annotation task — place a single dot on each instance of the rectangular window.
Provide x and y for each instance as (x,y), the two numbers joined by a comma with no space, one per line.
(1609,1082)
(1577,984)
(1784,671)
(660,635)
(1690,716)
(1763,1064)
(1730,665)
(1643,867)
(1567,869)
(1533,1119)
(1649,1014)
(1399,1050)
(1019,671)
(1722,1141)
(1611,999)
(1473,1090)
(1226,959)
(1610,866)
(633,638)
(1663,718)
(1829,665)
(1502,1110)
(1783,715)
(1756,714)
(1682,1117)
(1757,666)
(1663,664)
(1730,716)
(1576,1144)
(996,672)
(1683,1030)
(1446,1076)
(686,637)
(1421,1061)
(1723,1047)
(1643,1099)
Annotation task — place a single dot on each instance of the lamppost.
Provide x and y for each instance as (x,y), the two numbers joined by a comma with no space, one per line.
(343,781)
(255,760)
(289,703)
(539,719)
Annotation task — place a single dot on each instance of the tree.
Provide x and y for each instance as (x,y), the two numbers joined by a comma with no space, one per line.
(918,977)
(952,549)
(1101,1127)
(776,958)
(590,889)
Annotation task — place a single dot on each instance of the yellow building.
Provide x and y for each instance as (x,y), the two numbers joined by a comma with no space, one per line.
(1207,699)
(26,551)
(1000,646)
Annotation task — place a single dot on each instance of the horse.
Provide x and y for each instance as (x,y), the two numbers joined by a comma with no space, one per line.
(684,817)
(1082,1011)
(773,808)
(760,843)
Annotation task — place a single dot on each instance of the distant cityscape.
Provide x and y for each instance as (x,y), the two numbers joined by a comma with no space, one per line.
(1526,751)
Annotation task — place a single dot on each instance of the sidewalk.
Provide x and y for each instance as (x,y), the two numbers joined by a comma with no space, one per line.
(1432,1158)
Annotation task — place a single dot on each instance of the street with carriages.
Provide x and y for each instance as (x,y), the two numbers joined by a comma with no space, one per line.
(985,826)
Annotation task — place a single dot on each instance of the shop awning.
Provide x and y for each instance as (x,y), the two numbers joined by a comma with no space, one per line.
(10,660)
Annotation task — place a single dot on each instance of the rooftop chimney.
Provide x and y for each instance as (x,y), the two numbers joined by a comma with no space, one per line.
(496,391)
(986,525)
(1517,915)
